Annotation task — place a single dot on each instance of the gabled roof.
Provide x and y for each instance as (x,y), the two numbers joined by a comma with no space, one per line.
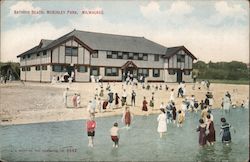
(110,42)
(43,43)
(173,50)
(129,64)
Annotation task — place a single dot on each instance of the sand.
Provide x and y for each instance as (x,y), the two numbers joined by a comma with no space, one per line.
(43,102)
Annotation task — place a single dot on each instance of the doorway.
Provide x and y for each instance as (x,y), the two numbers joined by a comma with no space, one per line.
(179,75)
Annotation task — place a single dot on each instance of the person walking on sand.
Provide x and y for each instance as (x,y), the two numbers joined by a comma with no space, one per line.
(172,95)
(74,100)
(114,133)
(111,98)
(124,97)
(133,94)
(202,134)
(117,100)
(174,112)
(127,117)
(162,125)
(65,95)
(210,130)
(144,105)
(91,125)
(78,99)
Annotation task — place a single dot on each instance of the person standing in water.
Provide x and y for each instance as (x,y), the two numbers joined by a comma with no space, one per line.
(211,130)
(202,134)
(91,125)
(127,117)
(114,133)
(162,125)
(225,131)
(180,118)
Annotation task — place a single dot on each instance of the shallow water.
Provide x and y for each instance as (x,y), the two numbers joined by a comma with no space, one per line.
(67,141)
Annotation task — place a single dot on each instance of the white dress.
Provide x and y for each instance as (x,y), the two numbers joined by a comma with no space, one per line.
(162,124)
(226,103)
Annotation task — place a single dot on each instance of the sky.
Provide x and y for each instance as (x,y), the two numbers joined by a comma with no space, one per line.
(211,30)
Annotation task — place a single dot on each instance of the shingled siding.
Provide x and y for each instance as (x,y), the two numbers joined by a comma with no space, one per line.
(37,75)
(34,59)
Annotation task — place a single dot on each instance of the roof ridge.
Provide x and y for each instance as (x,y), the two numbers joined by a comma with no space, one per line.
(108,33)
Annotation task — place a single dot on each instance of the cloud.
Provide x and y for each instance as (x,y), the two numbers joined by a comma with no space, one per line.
(177,8)
(22,6)
(180,8)
(21,39)
(223,8)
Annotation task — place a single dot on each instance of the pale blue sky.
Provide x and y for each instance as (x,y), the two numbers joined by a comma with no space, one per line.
(211,30)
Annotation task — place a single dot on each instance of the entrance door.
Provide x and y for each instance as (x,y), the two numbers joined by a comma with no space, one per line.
(179,75)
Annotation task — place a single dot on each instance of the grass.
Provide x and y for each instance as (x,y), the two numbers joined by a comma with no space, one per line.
(245,82)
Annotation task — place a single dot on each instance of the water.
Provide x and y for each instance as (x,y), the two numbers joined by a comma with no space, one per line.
(67,141)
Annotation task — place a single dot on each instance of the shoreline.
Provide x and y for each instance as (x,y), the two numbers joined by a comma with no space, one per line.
(31,103)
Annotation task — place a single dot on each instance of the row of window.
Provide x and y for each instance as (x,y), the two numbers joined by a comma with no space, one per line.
(173,72)
(38,54)
(43,67)
(130,56)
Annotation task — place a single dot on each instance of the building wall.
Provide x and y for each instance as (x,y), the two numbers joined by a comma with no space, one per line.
(187,78)
(82,77)
(181,65)
(37,75)
(170,78)
(58,54)
(102,60)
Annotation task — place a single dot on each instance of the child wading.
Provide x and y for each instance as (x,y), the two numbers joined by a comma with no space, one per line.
(180,118)
(91,125)
(127,117)
(114,132)
(162,125)
(202,134)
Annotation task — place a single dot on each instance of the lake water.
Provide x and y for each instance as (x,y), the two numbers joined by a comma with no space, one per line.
(67,141)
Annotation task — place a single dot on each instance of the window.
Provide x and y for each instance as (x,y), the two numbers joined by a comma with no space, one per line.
(171,72)
(186,72)
(180,58)
(38,68)
(119,55)
(57,68)
(23,69)
(94,71)
(44,67)
(27,68)
(140,56)
(28,55)
(136,56)
(71,51)
(111,71)
(156,57)
(143,72)
(114,54)
(109,54)
(95,55)
(82,69)
(44,53)
(38,54)
(145,57)
(130,56)
(23,57)
(156,73)
(125,55)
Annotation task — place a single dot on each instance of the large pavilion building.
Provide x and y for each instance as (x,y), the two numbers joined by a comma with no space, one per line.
(108,55)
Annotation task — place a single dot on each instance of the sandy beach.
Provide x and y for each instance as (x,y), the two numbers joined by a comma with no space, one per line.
(43,102)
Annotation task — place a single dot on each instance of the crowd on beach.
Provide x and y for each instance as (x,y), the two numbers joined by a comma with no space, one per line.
(105,99)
